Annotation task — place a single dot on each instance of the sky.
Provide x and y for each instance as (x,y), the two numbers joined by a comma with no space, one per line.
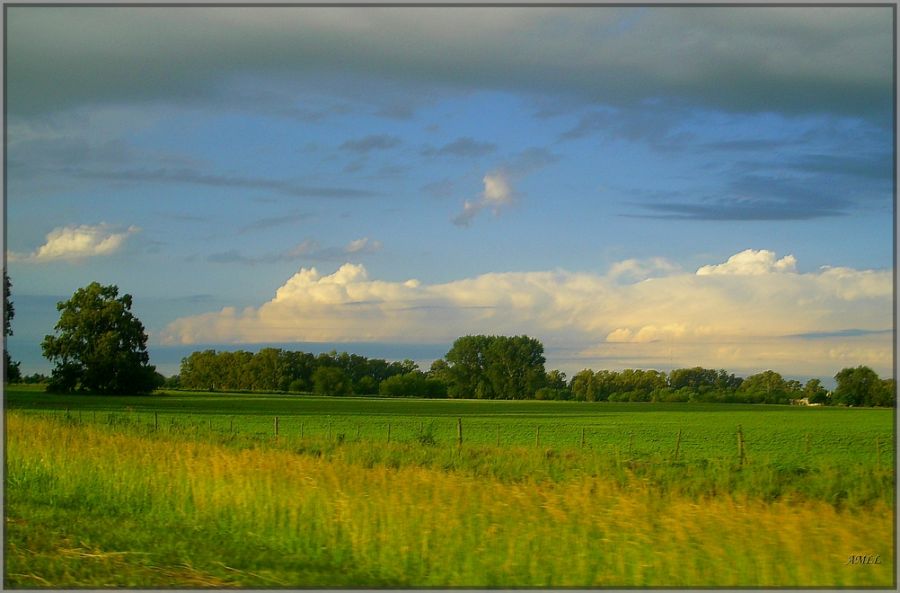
(637,187)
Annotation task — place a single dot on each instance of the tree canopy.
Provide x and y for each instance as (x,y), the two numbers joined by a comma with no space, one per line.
(861,386)
(13,374)
(99,346)
(495,367)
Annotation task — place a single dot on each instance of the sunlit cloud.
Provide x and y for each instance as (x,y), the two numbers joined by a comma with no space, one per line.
(497,194)
(747,320)
(753,263)
(77,243)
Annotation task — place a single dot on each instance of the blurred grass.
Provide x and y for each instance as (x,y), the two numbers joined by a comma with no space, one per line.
(118,505)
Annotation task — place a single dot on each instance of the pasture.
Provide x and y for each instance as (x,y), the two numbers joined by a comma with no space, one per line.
(378,492)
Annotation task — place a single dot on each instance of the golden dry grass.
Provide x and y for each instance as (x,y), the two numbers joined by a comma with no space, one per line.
(409,526)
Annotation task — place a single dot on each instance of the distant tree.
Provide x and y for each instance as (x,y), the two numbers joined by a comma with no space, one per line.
(766,387)
(859,386)
(466,368)
(366,385)
(889,393)
(584,386)
(13,373)
(814,392)
(440,370)
(495,367)
(414,384)
(331,380)
(36,378)
(556,379)
(200,371)
(99,346)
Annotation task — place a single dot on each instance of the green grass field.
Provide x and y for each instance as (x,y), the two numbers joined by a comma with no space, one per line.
(377,492)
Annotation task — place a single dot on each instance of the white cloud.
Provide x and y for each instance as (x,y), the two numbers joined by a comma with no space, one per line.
(78,242)
(748,321)
(497,191)
(752,263)
(363,245)
(497,194)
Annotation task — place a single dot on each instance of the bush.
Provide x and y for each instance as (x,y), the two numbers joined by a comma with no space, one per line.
(415,384)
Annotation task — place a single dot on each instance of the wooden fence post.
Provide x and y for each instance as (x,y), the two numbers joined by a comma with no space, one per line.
(537,436)
(357,432)
(459,432)
(276,427)
(156,421)
(582,437)
(677,444)
(389,432)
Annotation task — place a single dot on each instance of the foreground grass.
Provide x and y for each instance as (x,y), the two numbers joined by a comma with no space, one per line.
(92,506)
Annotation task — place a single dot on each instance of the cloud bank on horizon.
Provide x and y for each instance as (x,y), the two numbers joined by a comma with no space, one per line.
(749,309)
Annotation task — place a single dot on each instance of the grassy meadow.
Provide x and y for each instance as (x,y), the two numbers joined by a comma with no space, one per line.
(195,490)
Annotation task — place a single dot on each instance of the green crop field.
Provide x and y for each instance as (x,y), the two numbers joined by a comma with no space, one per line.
(196,489)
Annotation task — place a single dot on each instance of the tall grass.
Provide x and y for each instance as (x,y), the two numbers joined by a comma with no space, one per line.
(91,506)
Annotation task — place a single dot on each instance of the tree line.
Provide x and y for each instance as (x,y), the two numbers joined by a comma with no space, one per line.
(101,347)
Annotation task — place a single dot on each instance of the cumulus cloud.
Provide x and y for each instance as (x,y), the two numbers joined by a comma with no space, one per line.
(751,262)
(78,242)
(685,318)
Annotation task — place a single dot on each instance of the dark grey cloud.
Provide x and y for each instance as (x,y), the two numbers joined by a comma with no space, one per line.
(752,198)
(843,333)
(461,147)
(742,210)
(371,142)
(199,178)
(874,167)
(792,60)
(652,125)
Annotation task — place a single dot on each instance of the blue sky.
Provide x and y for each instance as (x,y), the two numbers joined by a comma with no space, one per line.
(635,186)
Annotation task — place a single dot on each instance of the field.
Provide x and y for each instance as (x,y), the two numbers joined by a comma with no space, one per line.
(193,490)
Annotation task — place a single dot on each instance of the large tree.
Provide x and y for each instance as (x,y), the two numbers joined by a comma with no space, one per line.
(13,374)
(495,367)
(861,386)
(99,346)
